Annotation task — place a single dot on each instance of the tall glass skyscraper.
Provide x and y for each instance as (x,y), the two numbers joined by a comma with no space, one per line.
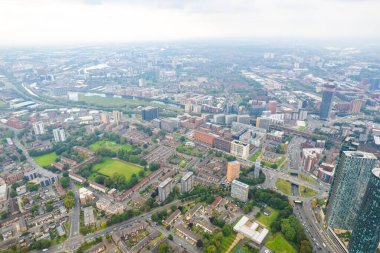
(327,96)
(366,233)
(350,181)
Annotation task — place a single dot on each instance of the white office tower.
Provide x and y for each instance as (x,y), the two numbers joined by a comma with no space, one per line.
(141,82)
(239,190)
(240,149)
(187,182)
(59,135)
(165,188)
(256,173)
(39,128)
(117,117)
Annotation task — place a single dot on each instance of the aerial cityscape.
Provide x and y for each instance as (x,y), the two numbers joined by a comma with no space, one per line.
(204,144)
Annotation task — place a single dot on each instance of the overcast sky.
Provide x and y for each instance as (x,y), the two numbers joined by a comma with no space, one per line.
(50,22)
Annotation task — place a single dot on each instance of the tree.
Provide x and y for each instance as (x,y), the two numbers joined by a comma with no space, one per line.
(170,237)
(173,208)
(103,224)
(227,230)
(154,166)
(305,247)
(65,182)
(164,248)
(211,249)
(69,200)
(13,193)
(199,243)
(41,244)
(32,187)
(288,230)
(49,207)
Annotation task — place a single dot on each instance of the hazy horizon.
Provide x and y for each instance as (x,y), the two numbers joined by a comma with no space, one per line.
(57,22)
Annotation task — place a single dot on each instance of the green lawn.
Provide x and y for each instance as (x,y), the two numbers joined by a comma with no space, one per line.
(279,244)
(284,186)
(226,242)
(306,192)
(268,220)
(278,162)
(117,102)
(256,155)
(306,178)
(109,145)
(110,166)
(45,160)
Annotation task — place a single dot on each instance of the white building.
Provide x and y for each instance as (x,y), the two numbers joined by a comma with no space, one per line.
(240,149)
(3,193)
(39,128)
(239,190)
(59,135)
(165,188)
(187,182)
(251,230)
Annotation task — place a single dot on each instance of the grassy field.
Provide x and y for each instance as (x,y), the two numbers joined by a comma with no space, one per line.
(109,145)
(268,220)
(284,186)
(278,244)
(306,192)
(111,166)
(256,155)
(278,162)
(226,242)
(306,178)
(45,160)
(116,102)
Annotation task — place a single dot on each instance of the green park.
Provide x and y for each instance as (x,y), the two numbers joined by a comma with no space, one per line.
(111,145)
(46,159)
(110,166)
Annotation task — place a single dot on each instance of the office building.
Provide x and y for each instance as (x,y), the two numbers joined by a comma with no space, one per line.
(222,144)
(366,231)
(244,119)
(310,158)
(219,119)
(141,82)
(117,117)
(233,171)
(230,118)
(187,182)
(169,124)
(349,184)
(256,172)
(59,135)
(272,106)
(204,137)
(3,193)
(149,113)
(327,97)
(104,118)
(39,128)
(239,190)
(326,172)
(252,230)
(165,188)
(356,106)
(240,149)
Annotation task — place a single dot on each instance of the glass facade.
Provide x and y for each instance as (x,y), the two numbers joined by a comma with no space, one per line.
(366,233)
(348,188)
